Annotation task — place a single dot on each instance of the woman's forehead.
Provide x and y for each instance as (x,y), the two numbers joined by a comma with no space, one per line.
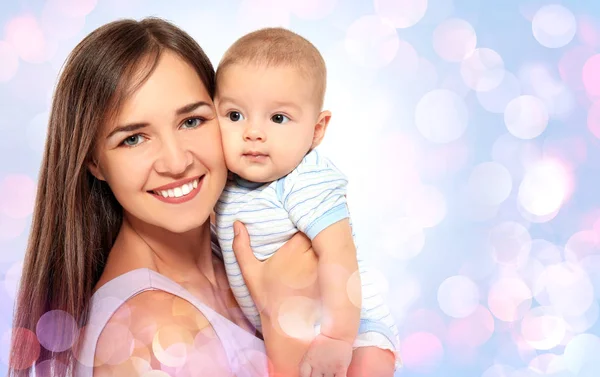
(173,83)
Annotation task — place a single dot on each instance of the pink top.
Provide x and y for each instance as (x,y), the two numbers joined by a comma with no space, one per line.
(244,353)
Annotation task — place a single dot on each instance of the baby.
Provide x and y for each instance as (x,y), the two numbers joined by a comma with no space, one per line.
(270,92)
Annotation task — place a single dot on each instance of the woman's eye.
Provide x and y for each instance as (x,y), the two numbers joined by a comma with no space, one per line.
(133,140)
(280,118)
(193,122)
(235,116)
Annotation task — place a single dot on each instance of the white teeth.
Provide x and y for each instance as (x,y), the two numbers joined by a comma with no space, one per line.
(178,192)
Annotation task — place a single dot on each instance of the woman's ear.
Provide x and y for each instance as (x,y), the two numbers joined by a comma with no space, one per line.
(94,168)
(321,127)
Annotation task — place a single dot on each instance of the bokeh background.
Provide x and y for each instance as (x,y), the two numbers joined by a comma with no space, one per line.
(469,130)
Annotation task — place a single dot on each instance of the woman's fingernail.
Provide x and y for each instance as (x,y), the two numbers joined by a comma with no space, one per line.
(236,229)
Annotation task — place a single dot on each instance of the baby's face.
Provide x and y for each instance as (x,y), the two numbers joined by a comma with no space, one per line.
(267,117)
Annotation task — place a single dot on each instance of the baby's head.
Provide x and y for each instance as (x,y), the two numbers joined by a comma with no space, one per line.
(269,98)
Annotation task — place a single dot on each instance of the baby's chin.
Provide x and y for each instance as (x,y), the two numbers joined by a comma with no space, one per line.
(256,174)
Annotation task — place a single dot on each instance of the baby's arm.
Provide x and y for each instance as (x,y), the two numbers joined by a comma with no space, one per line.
(315,198)
(341,293)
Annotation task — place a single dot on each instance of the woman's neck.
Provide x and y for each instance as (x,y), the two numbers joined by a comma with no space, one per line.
(179,256)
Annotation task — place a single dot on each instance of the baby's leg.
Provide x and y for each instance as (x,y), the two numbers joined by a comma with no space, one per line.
(371,362)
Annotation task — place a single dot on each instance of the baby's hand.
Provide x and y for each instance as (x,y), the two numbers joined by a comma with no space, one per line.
(326,357)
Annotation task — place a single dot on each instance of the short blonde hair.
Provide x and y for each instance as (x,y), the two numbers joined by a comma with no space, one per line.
(276,47)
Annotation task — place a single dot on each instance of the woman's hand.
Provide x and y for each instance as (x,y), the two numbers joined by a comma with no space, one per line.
(290,272)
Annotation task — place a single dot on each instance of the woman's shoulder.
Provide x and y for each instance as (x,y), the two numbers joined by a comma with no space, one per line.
(147,331)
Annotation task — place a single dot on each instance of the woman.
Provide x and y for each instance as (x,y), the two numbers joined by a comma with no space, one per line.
(121,236)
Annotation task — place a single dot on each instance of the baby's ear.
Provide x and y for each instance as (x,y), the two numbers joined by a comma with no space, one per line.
(321,127)
(94,168)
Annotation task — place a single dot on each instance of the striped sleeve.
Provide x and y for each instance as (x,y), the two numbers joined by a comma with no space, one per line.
(315,197)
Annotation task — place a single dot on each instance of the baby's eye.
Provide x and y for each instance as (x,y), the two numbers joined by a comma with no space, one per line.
(192,122)
(235,116)
(280,118)
(133,140)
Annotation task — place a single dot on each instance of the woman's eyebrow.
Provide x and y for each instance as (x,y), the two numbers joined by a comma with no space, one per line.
(136,126)
(191,107)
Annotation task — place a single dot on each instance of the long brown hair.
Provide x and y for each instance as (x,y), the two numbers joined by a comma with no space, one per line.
(76,217)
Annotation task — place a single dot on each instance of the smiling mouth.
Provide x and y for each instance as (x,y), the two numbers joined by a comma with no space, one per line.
(180,191)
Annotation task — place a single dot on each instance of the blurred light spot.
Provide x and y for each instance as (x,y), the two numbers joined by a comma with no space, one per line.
(458,296)
(498,370)
(404,238)
(581,246)
(406,290)
(9,61)
(515,154)
(27,37)
(544,187)
(12,279)
(155,373)
(489,183)
(36,132)
(257,14)
(426,78)
(441,116)
(526,117)
(74,8)
(17,195)
(482,70)
(425,320)
(58,24)
(50,368)
(571,149)
(496,99)
(591,75)
(440,161)
(454,39)
(569,288)
(455,83)
(57,330)
(119,347)
(297,316)
(171,345)
(140,365)
(353,289)
(313,9)
(557,98)
(403,13)
(372,42)
(11,228)
(472,331)
(511,243)
(570,66)
(425,205)
(581,323)
(30,350)
(593,118)
(542,328)
(588,31)
(581,355)
(509,299)
(406,62)
(547,363)
(421,352)
(554,26)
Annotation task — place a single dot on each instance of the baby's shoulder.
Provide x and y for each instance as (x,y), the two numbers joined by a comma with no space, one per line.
(316,162)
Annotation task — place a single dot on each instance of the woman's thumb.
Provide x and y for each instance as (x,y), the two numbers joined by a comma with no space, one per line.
(241,248)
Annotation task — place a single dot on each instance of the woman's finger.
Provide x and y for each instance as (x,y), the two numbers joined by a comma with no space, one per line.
(243,252)
(305,369)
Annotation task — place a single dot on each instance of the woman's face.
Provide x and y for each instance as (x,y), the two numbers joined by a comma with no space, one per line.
(162,158)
